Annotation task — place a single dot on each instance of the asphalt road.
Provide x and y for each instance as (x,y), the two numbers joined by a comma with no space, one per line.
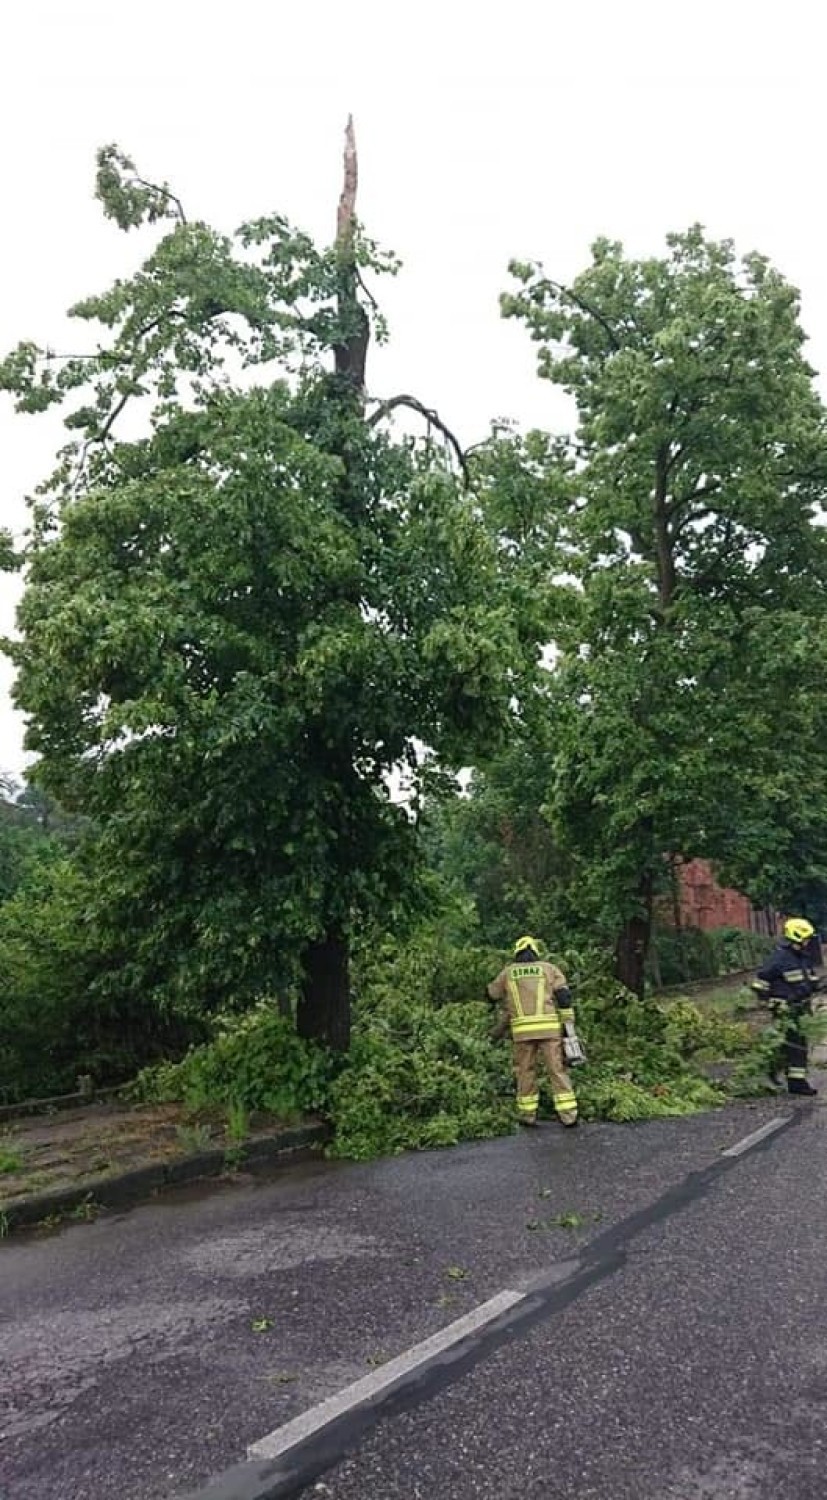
(141,1354)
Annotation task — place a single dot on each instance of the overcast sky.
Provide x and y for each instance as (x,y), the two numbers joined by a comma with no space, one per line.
(485,131)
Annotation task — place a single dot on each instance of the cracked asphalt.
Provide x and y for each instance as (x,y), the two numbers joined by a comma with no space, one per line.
(141,1353)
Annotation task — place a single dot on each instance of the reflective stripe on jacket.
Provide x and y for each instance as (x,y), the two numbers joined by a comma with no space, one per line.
(529,994)
(786,975)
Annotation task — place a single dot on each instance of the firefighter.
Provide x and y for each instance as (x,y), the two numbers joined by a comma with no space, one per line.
(536,1006)
(788,983)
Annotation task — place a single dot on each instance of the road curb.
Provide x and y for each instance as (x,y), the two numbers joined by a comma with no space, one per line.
(140,1183)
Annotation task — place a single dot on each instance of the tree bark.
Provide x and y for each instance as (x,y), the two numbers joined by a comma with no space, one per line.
(675,863)
(655,968)
(323,1011)
(633,942)
(346,213)
(351,354)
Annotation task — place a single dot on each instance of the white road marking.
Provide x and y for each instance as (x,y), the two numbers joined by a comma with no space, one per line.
(276,1443)
(757,1135)
(283,1439)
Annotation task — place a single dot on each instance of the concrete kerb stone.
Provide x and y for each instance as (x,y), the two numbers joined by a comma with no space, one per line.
(123,1188)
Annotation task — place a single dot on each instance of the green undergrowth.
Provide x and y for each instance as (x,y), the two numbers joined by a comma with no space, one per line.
(417,1076)
(682,955)
(422,1071)
(254,1062)
(648,1060)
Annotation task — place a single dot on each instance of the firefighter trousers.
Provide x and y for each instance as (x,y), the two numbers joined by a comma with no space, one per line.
(795,1054)
(526,1054)
(792,1056)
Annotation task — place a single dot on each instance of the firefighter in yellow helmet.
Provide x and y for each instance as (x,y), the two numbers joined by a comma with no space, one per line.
(787,982)
(536,1007)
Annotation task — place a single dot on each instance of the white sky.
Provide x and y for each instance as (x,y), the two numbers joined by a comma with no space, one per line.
(485,131)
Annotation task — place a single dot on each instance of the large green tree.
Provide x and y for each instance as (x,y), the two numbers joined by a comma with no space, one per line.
(684,714)
(245,612)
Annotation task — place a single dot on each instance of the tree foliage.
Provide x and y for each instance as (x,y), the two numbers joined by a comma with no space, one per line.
(682,715)
(244,613)
(252,609)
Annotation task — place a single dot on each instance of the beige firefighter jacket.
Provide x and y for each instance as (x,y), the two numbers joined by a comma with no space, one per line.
(528,993)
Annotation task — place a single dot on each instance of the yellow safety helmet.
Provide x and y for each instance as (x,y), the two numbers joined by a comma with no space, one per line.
(798,929)
(526,942)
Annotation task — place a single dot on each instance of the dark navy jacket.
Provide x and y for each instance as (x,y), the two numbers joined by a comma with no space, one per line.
(786,975)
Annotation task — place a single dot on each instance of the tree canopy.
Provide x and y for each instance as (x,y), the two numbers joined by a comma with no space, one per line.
(241,622)
(254,611)
(682,716)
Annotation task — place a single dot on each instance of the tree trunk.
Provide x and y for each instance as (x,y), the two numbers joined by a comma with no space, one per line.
(655,968)
(323,1012)
(675,863)
(351,354)
(633,942)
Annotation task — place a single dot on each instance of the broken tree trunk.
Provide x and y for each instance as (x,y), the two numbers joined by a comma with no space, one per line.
(351,352)
(323,1012)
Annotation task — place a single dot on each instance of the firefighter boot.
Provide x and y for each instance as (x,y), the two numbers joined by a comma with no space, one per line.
(801,1087)
(527,1107)
(797,1059)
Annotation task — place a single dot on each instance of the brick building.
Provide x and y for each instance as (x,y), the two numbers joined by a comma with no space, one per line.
(701,902)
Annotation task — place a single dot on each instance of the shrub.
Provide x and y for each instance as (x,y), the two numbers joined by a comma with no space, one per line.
(60,1013)
(694,1032)
(689,954)
(739,949)
(254,1062)
(422,1072)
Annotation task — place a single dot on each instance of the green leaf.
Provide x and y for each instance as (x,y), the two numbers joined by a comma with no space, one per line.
(567,1221)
